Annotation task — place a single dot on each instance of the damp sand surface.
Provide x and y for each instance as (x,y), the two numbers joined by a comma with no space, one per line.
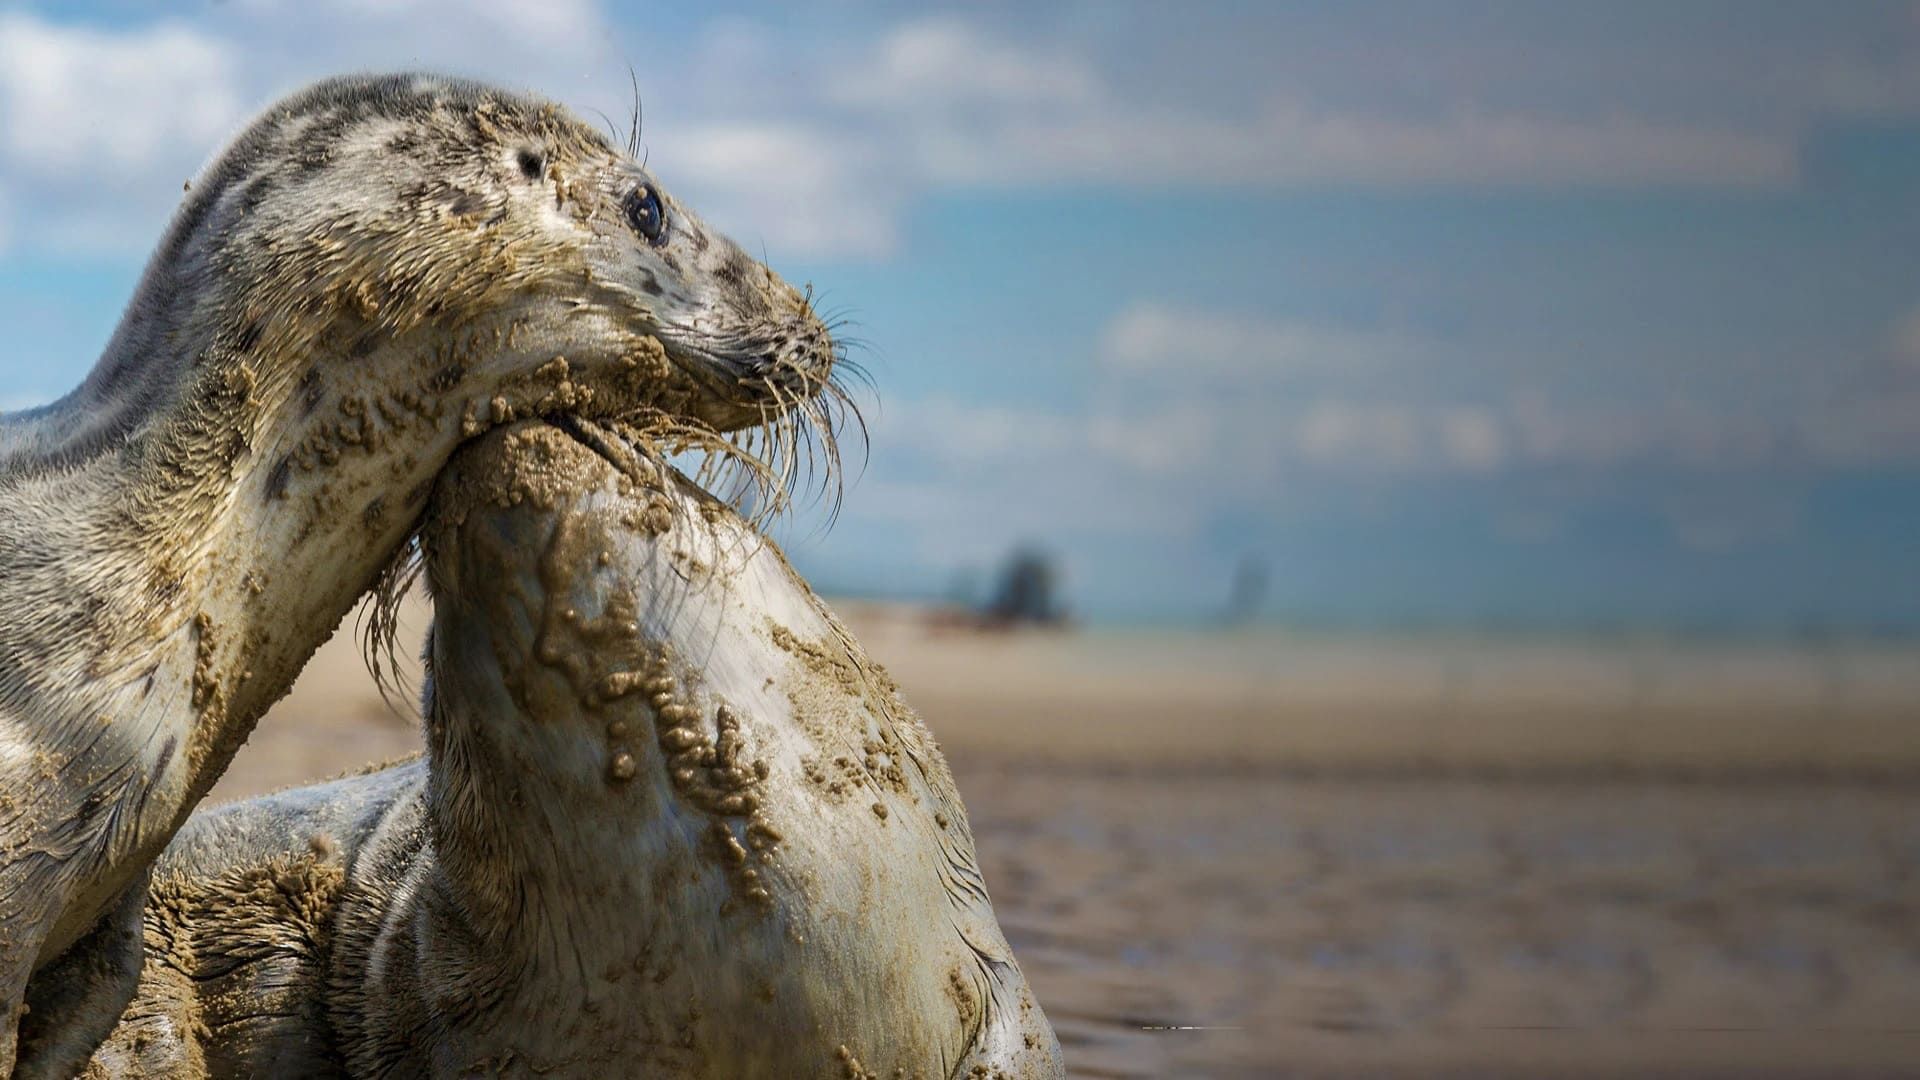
(1260,855)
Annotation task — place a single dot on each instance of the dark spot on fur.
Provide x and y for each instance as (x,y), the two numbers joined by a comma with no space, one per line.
(465,204)
(277,479)
(315,145)
(167,750)
(96,608)
(256,193)
(531,164)
(166,590)
(312,391)
(247,337)
(446,378)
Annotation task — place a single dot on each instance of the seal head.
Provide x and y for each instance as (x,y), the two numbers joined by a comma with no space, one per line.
(375,270)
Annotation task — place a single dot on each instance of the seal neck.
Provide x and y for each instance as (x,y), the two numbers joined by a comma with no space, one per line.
(182,531)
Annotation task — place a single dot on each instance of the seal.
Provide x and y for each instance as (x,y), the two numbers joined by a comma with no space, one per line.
(672,821)
(376,269)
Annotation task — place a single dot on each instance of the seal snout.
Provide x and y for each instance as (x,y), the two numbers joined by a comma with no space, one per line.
(802,353)
(787,352)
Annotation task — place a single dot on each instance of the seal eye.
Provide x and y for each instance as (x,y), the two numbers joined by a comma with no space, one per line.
(646,215)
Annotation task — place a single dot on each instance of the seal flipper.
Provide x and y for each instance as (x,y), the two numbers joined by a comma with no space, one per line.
(74,1002)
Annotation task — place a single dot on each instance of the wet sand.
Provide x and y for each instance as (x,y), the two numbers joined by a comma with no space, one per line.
(1260,855)
(1358,927)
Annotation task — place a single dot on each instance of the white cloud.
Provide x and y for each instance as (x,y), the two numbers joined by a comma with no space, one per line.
(963,108)
(1140,146)
(1906,339)
(844,136)
(966,480)
(1189,343)
(1472,438)
(1874,430)
(1473,146)
(1862,429)
(943,62)
(86,103)
(1193,417)
(1400,437)
(1178,392)
(432,30)
(1181,389)
(814,145)
(567,24)
(802,192)
(956,434)
(98,130)
(1179,438)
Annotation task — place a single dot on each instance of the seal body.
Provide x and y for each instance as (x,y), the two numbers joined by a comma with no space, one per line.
(374,271)
(672,822)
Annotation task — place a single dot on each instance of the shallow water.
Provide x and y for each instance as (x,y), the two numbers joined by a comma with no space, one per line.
(1254,923)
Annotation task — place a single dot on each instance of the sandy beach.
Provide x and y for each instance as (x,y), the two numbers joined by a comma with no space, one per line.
(1262,854)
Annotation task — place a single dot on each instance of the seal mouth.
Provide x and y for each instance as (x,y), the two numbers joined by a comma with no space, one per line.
(741,381)
(768,411)
(755,471)
(770,350)
(615,448)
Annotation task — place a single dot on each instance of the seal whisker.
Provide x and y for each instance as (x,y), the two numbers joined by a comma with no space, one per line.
(379,627)
(633,128)
(612,132)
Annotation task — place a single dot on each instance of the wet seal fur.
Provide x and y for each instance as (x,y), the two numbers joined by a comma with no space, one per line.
(672,822)
(374,270)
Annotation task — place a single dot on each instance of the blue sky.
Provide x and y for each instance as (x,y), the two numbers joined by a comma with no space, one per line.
(1494,313)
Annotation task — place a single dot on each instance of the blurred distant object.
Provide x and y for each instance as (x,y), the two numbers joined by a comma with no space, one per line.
(1026,593)
(1249,592)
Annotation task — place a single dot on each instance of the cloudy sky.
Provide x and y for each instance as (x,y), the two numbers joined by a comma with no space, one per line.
(1482,312)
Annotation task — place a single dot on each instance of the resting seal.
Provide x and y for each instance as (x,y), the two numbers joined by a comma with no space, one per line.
(373,271)
(672,821)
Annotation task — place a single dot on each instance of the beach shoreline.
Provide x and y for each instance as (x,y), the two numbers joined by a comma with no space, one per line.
(1249,854)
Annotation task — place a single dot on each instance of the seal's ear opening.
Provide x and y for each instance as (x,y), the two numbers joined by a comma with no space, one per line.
(533,164)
